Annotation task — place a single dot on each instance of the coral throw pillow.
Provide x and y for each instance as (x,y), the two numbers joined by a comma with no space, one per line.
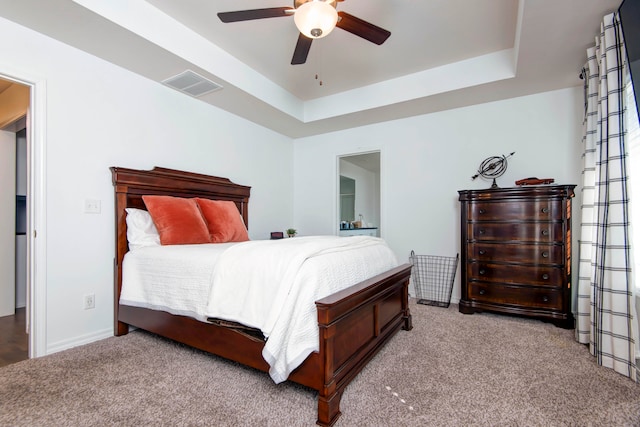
(178,220)
(223,221)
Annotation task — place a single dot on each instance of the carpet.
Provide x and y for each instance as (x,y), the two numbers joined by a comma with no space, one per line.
(450,370)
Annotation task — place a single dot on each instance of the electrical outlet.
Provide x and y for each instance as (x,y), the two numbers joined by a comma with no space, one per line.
(89,301)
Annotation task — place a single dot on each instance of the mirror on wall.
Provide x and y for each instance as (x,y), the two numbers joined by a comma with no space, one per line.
(359,194)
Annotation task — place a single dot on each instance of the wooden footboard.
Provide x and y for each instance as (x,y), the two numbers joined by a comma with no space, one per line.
(354,325)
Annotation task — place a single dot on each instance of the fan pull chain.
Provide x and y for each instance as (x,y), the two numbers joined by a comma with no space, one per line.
(320,68)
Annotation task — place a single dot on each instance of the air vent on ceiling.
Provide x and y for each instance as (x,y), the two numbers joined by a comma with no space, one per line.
(192,84)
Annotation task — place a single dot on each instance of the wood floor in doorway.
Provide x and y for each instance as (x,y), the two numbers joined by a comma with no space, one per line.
(14,342)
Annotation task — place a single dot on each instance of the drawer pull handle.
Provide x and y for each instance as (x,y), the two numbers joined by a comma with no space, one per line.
(481,231)
(545,254)
(545,210)
(482,292)
(545,299)
(482,252)
(545,276)
(545,232)
(482,271)
(482,211)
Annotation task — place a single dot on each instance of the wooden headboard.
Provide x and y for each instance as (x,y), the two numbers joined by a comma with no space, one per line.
(131,184)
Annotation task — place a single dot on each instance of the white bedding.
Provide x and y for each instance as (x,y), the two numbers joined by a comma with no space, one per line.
(270,285)
(175,278)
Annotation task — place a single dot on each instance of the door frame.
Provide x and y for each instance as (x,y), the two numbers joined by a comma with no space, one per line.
(36,207)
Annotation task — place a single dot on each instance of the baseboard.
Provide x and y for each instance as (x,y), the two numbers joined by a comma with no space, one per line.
(78,341)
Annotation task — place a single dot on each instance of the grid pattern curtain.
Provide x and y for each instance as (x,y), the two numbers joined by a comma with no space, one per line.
(605,304)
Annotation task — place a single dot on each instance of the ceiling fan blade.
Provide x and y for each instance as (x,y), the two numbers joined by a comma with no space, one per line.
(361,28)
(248,15)
(302,50)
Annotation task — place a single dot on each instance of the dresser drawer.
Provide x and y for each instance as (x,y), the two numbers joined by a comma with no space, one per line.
(515,295)
(514,252)
(543,232)
(538,275)
(532,210)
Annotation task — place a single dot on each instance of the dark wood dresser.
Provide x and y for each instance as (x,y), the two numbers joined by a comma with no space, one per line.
(516,251)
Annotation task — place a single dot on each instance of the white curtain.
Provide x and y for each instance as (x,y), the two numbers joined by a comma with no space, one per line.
(606,318)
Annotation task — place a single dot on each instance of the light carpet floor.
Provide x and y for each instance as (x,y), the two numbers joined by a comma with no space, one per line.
(450,370)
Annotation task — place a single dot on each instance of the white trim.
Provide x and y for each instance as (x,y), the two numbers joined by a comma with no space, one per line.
(81,340)
(37,220)
(36,208)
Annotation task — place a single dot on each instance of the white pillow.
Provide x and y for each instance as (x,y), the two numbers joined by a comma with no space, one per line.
(141,231)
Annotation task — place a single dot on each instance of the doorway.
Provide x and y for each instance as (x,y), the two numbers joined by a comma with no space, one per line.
(359,194)
(35,233)
(14,106)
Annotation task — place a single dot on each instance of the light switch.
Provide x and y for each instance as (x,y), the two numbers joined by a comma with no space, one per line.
(92,206)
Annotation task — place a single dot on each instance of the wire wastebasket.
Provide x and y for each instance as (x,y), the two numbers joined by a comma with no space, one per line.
(433,278)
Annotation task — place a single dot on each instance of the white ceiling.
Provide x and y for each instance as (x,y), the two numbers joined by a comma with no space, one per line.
(441,54)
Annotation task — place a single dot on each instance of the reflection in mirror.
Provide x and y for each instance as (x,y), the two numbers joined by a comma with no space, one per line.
(359,194)
(347,199)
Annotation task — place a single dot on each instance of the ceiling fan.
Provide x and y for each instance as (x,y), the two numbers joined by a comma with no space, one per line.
(315,19)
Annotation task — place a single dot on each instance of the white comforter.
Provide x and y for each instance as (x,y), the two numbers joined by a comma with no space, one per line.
(271,285)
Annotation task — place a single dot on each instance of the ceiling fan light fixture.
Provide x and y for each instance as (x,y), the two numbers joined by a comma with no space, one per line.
(316,18)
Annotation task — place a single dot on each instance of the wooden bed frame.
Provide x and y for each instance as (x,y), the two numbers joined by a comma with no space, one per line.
(354,323)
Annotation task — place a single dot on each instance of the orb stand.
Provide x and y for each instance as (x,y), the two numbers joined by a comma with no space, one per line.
(492,168)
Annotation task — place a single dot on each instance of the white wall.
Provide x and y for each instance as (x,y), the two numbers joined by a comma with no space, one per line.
(7,222)
(99,115)
(425,160)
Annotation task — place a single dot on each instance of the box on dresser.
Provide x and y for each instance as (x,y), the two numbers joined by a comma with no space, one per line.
(516,252)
